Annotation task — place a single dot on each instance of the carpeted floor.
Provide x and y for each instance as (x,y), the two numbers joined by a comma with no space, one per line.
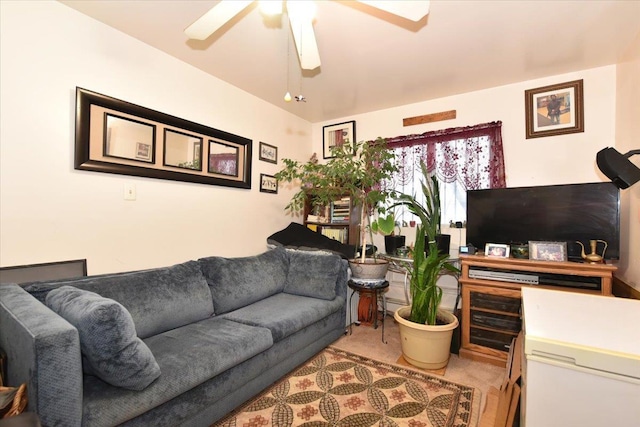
(340,388)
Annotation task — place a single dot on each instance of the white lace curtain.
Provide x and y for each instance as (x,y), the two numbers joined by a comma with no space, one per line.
(465,158)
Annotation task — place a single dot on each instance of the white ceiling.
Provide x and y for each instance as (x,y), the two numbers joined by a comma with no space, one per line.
(371,60)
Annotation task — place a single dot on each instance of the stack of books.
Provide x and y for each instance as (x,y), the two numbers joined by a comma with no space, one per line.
(339,234)
(340,210)
(313,218)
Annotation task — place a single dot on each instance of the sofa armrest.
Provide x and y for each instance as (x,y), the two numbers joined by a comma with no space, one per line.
(343,278)
(43,350)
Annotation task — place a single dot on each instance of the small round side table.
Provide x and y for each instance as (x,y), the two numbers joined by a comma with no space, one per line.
(378,290)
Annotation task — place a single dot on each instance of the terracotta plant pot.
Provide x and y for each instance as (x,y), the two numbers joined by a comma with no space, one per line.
(426,346)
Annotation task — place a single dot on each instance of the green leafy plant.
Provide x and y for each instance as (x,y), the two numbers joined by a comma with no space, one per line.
(357,176)
(425,270)
(384,225)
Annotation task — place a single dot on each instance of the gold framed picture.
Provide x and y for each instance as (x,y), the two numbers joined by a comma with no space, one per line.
(554,110)
(548,251)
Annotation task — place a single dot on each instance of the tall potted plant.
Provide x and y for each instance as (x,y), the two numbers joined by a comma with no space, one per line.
(357,176)
(425,329)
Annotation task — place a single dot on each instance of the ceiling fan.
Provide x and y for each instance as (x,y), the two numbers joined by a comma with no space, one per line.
(301,15)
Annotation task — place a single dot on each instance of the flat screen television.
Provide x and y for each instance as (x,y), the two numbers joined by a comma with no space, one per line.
(558,213)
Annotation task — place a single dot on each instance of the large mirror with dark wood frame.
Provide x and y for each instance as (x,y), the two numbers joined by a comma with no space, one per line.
(115,136)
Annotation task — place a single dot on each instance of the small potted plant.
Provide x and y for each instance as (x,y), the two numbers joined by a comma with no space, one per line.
(425,329)
(357,176)
(387,227)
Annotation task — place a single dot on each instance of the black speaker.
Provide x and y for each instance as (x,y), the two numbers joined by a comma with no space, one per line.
(617,167)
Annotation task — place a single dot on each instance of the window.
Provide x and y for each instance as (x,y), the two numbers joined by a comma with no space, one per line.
(465,158)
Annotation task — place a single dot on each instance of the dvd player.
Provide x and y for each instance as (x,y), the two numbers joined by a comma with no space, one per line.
(502,276)
(531,278)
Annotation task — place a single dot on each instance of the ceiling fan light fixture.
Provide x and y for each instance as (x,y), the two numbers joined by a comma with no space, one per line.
(271,7)
(302,10)
(301,16)
(287,97)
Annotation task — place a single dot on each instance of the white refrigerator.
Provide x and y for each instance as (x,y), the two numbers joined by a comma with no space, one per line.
(581,362)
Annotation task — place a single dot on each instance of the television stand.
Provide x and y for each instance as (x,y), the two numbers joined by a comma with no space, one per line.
(491,297)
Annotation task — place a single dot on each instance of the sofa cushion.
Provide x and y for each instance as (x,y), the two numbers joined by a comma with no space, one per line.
(158,300)
(188,356)
(238,282)
(312,274)
(108,340)
(285,314)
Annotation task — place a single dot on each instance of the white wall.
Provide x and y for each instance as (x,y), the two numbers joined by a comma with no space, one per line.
(538,161)
(561,159)
(51,212)
(627,139)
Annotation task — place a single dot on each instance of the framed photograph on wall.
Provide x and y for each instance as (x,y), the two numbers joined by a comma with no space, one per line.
(338,135)
(554,110)
(496,250)
(268,184)
(548,251)
(268,153)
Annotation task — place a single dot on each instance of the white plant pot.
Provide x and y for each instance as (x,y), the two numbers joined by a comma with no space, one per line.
(370,269)
(425,346)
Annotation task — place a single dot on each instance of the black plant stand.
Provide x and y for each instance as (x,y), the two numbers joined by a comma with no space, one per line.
(378,289)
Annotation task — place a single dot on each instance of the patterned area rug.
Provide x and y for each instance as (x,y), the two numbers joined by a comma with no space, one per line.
(338,388)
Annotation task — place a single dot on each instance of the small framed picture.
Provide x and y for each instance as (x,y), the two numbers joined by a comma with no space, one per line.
(338,135)
(496,250)
(554,110)
(548,251)
(268,184)
(268,153)
(143,151)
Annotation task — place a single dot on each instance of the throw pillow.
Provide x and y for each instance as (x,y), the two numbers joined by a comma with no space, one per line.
(312,274)
(110,348)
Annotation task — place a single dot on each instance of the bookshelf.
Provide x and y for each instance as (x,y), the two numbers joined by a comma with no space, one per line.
(339,221)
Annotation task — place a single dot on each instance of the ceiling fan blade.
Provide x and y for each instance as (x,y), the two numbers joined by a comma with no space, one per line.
(411,10)
(215,18)
(305,40)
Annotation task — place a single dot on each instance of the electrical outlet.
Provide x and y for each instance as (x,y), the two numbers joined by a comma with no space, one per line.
(129,191)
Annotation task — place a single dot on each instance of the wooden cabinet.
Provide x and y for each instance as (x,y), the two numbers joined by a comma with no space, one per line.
(491,298)
(339,221)
(493,320)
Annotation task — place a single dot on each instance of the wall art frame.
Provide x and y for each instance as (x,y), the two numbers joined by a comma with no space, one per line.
(338,135)
(554,110)
(111,134)
(268,184)
(268,153)
(548,251)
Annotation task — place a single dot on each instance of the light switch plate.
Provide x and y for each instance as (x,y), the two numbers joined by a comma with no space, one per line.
(130,192)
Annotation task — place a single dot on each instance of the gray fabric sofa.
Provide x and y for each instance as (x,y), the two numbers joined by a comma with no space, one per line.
(219,331)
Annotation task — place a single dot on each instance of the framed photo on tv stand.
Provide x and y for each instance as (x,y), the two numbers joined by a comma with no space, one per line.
(496,250)
(548,251)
